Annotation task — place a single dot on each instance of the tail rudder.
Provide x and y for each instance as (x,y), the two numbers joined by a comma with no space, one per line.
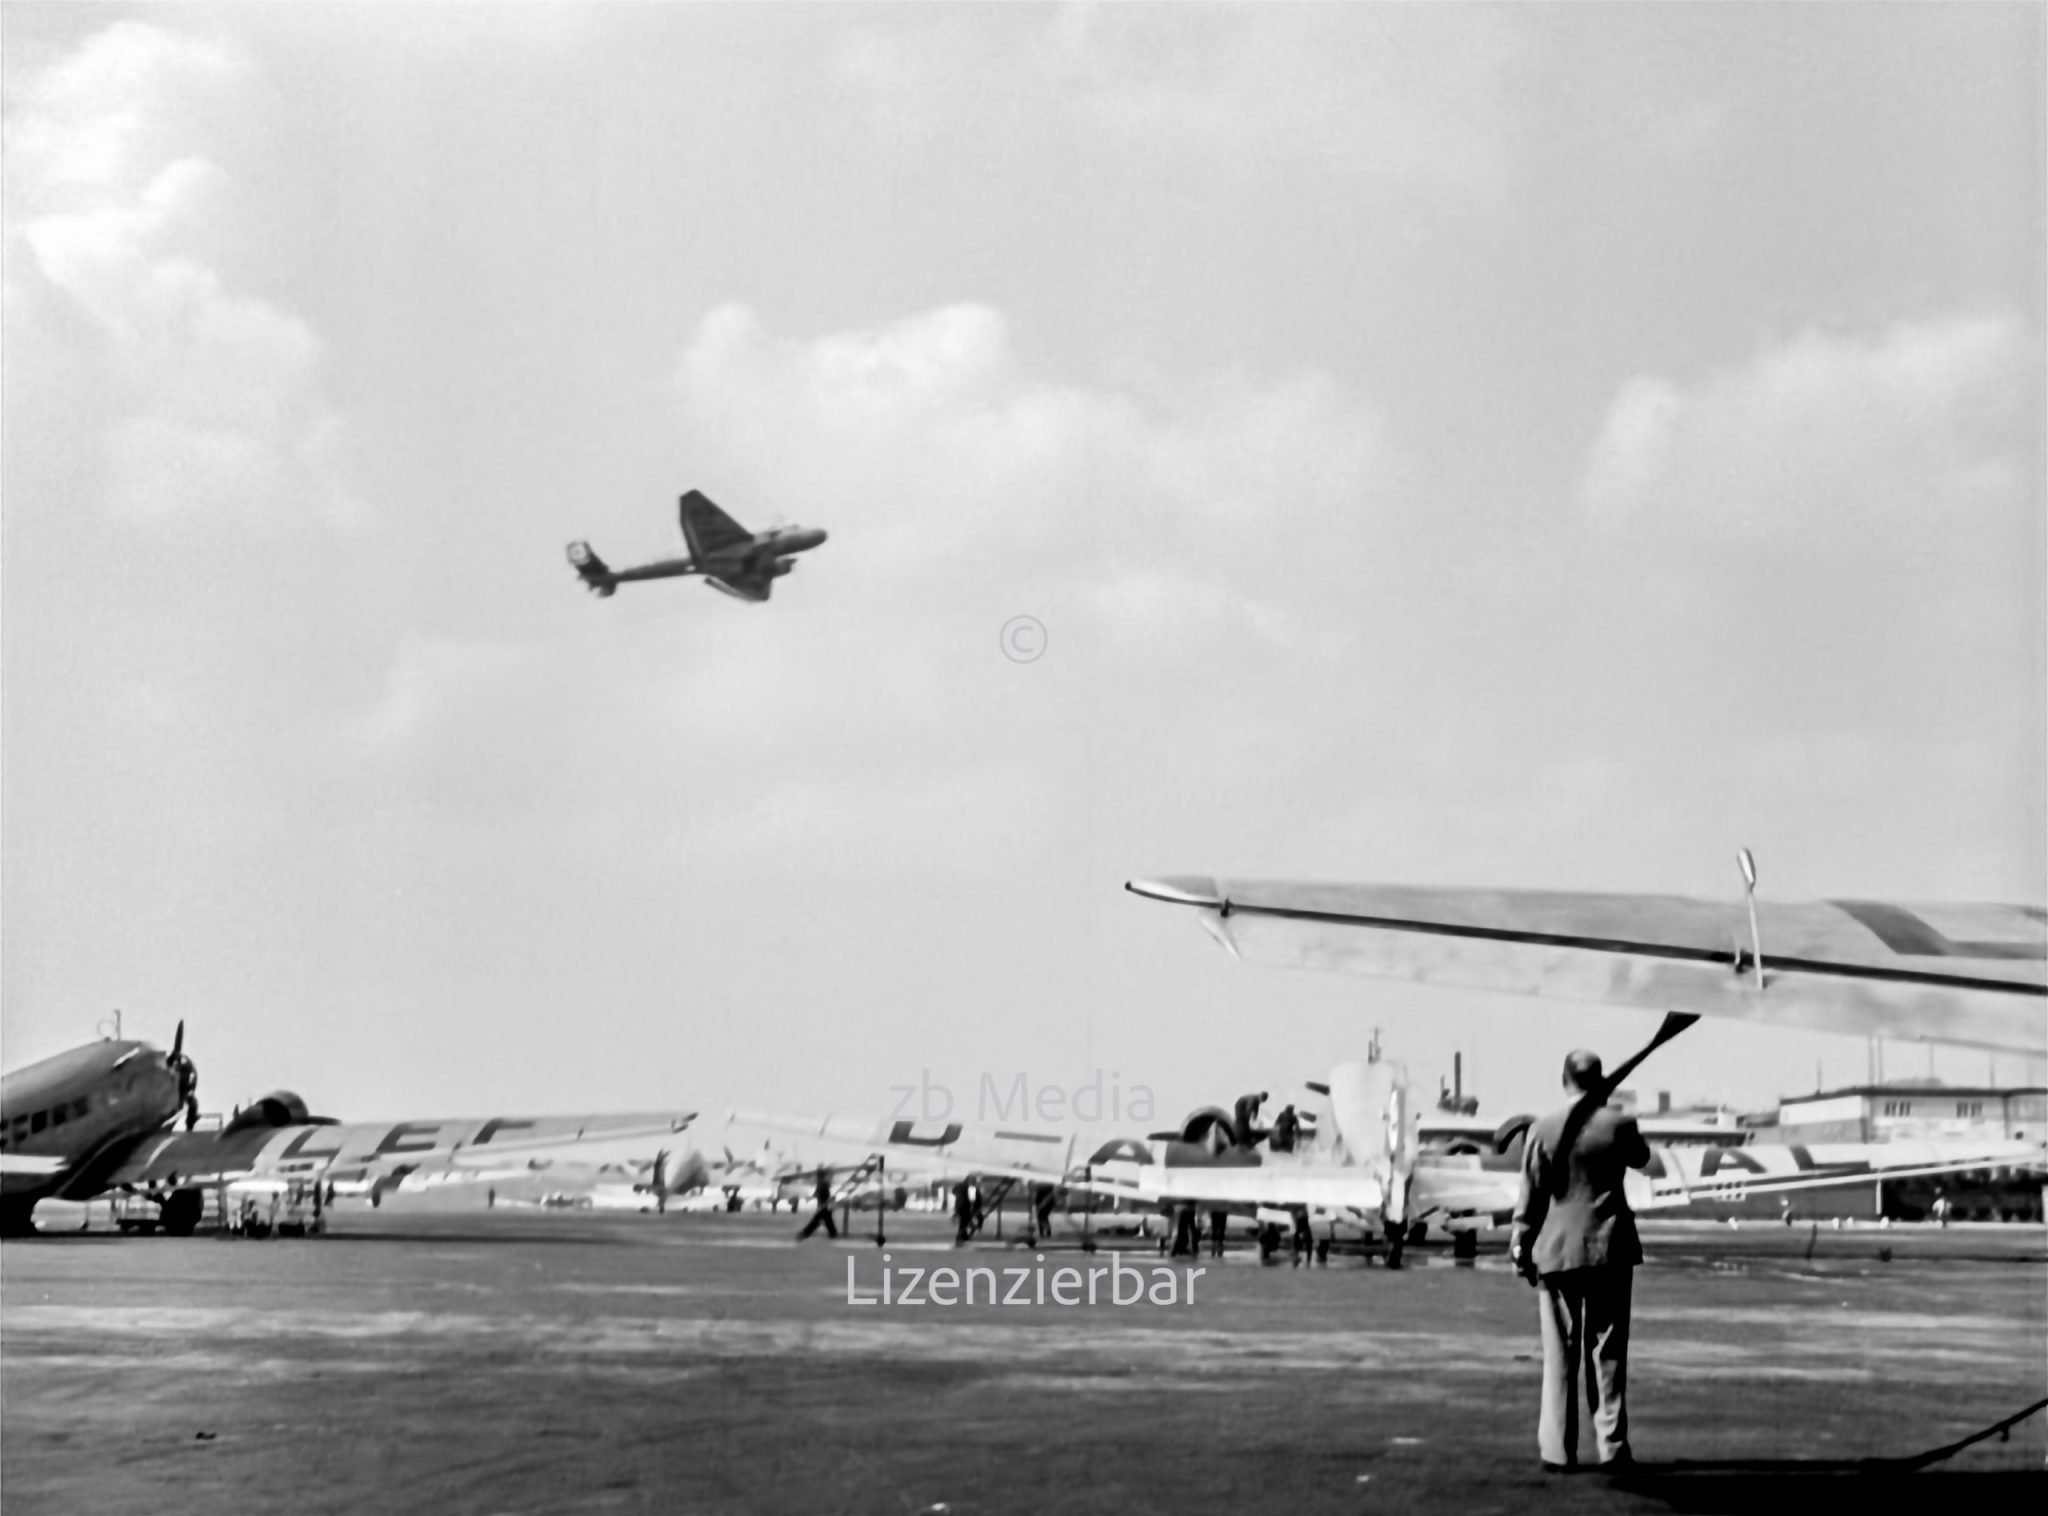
(591,569)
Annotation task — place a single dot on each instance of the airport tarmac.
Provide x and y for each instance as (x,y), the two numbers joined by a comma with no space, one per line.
(540,1361)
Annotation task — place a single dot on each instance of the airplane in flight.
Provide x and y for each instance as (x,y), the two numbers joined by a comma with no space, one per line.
(743,564)
(103,1117)
(1969,975)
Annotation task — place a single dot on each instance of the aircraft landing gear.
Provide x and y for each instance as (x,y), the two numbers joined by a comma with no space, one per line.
(1464,1244)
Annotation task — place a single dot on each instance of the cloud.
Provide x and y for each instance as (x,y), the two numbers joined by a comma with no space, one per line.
(1190,499)
(1634,447)
(1921,422)
(866,721)
(430,676)
(212,398)
(1834,549)
(1408,98)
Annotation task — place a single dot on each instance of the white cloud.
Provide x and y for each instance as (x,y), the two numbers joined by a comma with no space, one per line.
(1634,446)
(429,676)
(214,398)
(1411,98)
(1223,498)
(1919,423)
(1180,532)
(90,123)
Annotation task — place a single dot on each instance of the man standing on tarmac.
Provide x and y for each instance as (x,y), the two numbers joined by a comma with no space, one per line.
(1574,1238)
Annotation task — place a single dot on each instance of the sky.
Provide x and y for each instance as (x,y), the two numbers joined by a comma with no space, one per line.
(1525,446)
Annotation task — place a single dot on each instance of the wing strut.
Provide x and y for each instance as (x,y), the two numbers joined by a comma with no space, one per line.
(1747,861)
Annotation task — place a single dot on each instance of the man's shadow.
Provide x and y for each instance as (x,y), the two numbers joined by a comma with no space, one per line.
(1789,1485)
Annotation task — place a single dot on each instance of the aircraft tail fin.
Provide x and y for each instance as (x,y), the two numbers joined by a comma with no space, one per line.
(1374,1116)
(591,569)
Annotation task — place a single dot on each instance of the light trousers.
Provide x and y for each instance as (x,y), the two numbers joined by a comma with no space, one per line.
(1584,1315)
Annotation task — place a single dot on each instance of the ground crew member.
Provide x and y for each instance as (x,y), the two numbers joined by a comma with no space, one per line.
(963,1214)
(823,1215)
(1574,1238)
(1042,1197)
(1248,1132)
(1218,1222)
(1286,1128)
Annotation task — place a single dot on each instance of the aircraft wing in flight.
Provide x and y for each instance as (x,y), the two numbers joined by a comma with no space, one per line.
(707,529)
(744,586)
(1971,975)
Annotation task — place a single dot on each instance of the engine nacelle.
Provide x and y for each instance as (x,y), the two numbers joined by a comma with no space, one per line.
(782,566)
(1210,1127)
(591,569)
(278,1108)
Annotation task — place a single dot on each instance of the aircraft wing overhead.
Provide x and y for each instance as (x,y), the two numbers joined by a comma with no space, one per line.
(707,529)
(1972,975)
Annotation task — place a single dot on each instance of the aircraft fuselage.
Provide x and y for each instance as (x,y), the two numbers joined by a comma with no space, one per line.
(61,1117)
(766,547)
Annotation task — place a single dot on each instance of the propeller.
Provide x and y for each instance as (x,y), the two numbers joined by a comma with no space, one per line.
(187,1075)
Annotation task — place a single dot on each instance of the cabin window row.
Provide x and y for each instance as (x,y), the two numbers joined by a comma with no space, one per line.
(31,1122)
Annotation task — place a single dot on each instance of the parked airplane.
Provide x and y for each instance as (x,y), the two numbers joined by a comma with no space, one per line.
(1361,1167)
(1972,975)
(744,564)
(659,1182)
(102,1117)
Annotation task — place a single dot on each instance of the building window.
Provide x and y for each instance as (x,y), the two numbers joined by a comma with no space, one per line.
(1969,1107)
(1898,1108)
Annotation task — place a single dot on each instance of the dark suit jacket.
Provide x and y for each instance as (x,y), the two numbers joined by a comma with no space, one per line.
(1572,1213)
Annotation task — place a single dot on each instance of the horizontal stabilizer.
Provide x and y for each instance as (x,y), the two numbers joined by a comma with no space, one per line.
(591,569)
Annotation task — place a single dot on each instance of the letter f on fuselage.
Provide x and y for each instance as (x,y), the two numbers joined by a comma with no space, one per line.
(743,564)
